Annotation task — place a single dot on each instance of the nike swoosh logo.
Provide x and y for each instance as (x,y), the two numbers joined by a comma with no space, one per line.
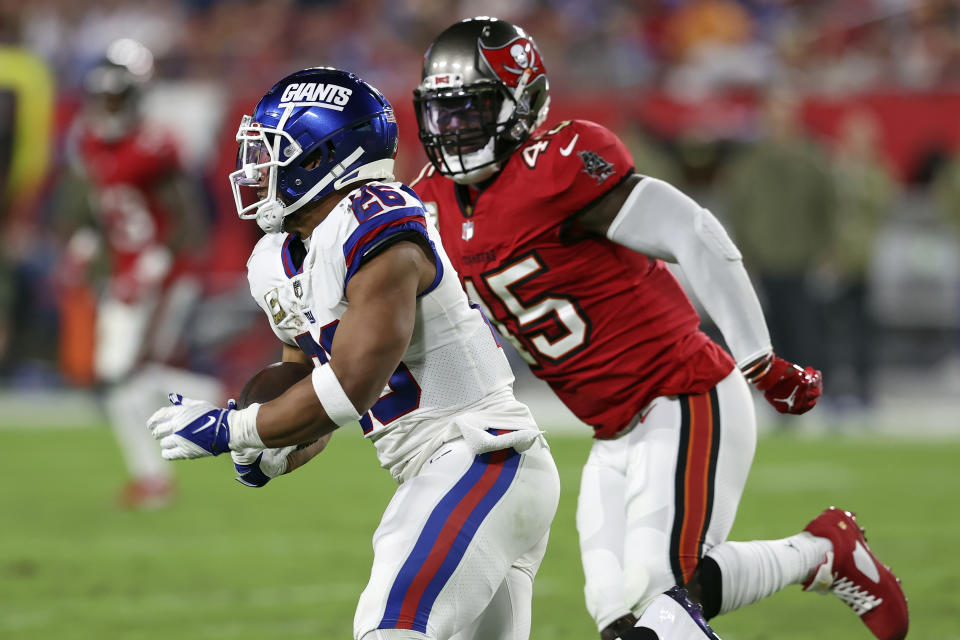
(864,563)
(567,150)
(210,421)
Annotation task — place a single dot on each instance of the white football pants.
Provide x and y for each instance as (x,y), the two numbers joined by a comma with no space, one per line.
(653,501)
(459,545)
(127,335)
(130,403)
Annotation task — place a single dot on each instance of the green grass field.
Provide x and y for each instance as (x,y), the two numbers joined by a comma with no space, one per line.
(289,561)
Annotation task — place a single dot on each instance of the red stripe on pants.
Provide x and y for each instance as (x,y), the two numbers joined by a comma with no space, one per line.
(446,538)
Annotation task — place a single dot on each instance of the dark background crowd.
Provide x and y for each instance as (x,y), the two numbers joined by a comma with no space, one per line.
(824,134)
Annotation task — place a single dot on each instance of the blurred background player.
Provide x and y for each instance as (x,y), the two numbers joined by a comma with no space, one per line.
(565,247)
(132,217)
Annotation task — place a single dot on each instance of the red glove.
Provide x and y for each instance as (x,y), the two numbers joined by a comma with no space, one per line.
(786,386)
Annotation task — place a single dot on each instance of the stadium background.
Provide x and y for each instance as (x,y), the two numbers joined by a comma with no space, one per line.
(686,84)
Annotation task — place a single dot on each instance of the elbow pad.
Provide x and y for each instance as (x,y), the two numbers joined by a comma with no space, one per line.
(659,220)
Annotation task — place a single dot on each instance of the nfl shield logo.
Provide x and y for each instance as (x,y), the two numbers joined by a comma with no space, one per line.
(467,230)
(297,289)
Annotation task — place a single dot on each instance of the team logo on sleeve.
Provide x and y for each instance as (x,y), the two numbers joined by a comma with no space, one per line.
(595,166)
(272,299)
(512,59)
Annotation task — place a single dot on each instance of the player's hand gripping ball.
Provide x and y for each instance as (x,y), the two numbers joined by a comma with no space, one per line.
(255,467)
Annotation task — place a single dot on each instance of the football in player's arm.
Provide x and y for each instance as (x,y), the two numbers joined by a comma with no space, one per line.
(354,281)
(369,342)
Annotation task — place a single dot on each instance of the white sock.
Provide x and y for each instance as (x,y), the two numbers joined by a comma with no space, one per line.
(751,571)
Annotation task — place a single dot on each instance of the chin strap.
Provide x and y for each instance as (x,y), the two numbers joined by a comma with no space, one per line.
(270,216)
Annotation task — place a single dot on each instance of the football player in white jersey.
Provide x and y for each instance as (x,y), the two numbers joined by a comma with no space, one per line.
(353,278)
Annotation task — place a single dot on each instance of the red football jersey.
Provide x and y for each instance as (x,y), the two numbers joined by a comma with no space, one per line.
(125,175)
(608,329)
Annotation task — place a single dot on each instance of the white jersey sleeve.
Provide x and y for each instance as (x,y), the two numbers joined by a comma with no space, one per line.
(269,284)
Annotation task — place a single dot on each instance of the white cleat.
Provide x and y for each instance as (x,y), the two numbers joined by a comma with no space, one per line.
(673,616)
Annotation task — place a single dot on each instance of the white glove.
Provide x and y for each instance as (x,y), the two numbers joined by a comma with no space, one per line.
(191,428)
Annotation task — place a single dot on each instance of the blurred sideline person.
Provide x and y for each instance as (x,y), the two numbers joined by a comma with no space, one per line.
(131,217)
(27,96)
(353,281)
(865,194)
(551,229)
(781,204)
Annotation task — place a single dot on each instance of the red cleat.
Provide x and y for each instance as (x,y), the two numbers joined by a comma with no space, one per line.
(852,573)
(147,494)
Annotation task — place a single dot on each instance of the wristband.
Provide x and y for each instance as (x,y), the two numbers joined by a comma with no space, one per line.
(243,428)
(332,396)
(758,368)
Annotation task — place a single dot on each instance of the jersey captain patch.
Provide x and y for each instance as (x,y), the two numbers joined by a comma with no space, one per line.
(595,166)
(272,298)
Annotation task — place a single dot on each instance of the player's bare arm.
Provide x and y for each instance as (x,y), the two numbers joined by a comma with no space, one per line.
(370,341)
(300,457)
(598,217)
(652,217)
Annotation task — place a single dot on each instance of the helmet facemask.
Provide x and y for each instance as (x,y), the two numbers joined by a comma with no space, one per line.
(470,131)
(262,151)
(460,129)
(484,92)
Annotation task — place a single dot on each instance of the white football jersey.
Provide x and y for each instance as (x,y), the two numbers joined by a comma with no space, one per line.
(454,373)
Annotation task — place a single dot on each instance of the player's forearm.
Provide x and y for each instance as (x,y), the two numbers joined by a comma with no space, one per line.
(296,417)
(660,221)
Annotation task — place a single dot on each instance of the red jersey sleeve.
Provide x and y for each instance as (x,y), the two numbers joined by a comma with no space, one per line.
(576,163)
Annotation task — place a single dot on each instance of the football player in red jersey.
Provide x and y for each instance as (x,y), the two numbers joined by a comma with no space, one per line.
(142,216)
(565,245)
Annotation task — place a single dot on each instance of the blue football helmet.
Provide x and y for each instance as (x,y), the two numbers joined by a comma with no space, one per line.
(314,132)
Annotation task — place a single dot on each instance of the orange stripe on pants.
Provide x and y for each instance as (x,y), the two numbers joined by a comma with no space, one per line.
(696,482)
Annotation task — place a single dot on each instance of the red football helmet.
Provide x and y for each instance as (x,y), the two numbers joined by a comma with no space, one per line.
(484,90)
